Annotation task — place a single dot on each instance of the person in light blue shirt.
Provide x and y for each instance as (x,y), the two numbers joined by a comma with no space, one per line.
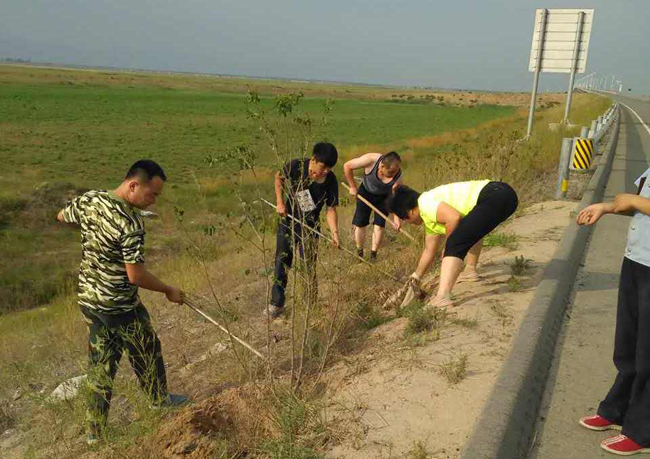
(627,404)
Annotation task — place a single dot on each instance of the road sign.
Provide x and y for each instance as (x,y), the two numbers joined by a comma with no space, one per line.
(559,34)
(583,153)
(560,45)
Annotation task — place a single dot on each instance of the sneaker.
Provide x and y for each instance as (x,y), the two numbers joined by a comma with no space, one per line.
(373,255)
(623,446)
(273,311)
(171,401)
(599,423)
(360,253)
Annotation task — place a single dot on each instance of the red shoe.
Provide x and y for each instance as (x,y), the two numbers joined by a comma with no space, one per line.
(623,446)
(598,423)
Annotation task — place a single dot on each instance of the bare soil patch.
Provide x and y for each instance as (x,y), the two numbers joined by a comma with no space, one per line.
(394,394)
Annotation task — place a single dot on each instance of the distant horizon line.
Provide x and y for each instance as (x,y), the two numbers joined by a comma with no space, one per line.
(18,61)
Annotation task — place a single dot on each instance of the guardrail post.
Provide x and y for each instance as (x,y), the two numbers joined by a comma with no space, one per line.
(592,131)
(563,169)
(584,132)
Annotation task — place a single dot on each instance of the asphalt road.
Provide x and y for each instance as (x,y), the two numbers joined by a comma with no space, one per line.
(582,370)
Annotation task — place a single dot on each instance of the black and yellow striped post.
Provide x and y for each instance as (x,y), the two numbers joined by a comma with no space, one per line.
(583,154)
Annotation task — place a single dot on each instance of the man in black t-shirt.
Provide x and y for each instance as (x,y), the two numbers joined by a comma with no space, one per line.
(308,184)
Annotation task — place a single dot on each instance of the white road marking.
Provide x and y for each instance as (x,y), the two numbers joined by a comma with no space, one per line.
(637,115)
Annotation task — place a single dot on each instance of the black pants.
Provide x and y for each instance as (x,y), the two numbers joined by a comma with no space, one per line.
(496,202)
(362,212)
(108,336)
(628,400)
(307,244)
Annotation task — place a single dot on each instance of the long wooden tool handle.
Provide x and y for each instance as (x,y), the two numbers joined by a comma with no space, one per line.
(340,246)
(384,216)
(243,343)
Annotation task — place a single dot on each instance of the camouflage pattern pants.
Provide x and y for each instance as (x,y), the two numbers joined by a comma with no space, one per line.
(108,336)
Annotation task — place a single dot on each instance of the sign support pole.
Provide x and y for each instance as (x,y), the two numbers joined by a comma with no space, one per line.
(574,64)
(538,68)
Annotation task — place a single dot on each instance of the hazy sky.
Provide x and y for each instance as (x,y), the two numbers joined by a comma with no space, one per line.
(481,44)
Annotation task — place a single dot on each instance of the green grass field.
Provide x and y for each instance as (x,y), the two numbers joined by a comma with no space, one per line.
(87,134)
(61,131)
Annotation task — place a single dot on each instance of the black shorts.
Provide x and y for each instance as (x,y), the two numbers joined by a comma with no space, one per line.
(496,202)
(362,212)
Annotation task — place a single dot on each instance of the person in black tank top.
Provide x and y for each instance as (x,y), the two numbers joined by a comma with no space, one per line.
(382,173)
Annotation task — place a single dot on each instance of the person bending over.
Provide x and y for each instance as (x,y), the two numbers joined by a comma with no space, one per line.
(382,174)
(464,212)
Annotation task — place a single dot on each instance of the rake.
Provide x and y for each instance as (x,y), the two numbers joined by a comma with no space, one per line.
(191,305)
(341,247)
(384,216)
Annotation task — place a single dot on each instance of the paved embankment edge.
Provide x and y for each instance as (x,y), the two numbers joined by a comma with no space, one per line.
(506,426)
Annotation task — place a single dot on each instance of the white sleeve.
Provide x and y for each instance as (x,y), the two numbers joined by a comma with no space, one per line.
(644,175)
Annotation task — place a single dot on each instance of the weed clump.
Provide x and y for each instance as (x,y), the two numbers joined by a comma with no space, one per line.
(424,324)
(369,317)
(514,284)
(466,322)
(455,370)
(519,266)
(507,240)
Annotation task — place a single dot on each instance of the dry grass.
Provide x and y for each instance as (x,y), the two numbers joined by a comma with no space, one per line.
(275,408)
(454,370)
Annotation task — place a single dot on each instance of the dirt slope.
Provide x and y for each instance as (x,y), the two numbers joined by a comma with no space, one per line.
(394,394)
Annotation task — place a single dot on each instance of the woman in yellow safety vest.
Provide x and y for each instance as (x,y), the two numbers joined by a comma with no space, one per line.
(464,212)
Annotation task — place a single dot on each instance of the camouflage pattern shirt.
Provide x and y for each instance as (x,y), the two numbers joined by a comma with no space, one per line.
(112,234)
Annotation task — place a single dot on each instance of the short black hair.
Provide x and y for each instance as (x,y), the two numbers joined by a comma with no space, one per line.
(146,169)
(402,201)
(325,153)
(391,158)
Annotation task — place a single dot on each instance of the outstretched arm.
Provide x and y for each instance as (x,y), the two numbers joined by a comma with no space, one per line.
(431,244)
(628,204)
(624,204)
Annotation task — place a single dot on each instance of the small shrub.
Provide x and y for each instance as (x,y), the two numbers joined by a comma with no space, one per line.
(419,319)
(519,266)
(369,317)
(301,428)
(455,370)
(514,284)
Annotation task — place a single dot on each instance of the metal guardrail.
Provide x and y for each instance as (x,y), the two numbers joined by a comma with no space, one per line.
(571,146)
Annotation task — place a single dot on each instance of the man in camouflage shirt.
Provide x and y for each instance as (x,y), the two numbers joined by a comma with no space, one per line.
(112,268)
